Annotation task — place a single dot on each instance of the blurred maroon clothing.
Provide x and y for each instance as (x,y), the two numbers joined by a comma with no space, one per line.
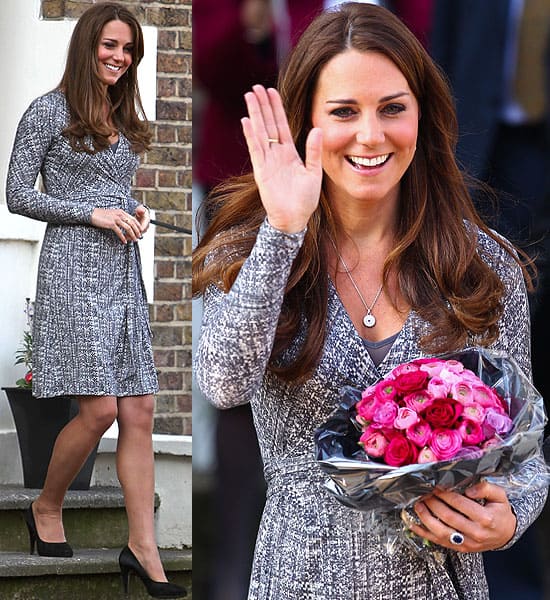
(301,14)
(226,65)
(417,16)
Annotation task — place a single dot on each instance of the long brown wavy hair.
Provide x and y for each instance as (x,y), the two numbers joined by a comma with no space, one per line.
(88,129)
(439,270)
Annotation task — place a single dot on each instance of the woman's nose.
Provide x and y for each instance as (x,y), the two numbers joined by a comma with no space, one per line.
(370,131)
(118,54)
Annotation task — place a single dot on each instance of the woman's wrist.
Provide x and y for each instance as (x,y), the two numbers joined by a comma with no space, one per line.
(287,227)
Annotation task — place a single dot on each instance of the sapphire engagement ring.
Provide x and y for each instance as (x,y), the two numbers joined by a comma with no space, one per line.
(456,538)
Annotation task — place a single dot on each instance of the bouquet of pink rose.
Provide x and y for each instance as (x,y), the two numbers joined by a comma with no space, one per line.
(428,410)
(437,422)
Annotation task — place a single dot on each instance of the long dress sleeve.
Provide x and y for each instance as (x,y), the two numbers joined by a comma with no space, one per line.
(239,327)
(39,128)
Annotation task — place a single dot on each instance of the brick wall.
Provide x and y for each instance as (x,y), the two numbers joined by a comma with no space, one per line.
(164,183)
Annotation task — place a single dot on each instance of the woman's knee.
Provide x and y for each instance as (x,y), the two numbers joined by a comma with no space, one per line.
(137,412)
(99,413)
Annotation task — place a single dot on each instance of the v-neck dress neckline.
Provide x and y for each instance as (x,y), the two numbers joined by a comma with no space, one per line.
(358,338)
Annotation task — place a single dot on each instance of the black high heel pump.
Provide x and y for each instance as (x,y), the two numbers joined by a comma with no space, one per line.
(57,549)
(157,589)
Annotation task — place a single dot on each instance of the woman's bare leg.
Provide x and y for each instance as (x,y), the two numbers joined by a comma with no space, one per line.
(136,473)
(72,447)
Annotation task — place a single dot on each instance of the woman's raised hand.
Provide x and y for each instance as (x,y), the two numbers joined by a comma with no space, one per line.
(289,188)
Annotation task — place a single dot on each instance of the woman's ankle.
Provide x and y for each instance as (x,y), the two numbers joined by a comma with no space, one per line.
(44,506)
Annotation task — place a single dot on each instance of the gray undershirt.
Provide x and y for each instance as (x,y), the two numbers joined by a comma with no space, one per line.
(378,350)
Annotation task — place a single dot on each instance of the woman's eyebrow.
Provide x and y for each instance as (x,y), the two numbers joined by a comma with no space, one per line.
(383,99)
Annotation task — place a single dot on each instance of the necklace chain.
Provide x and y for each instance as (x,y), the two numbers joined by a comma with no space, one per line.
(369,319)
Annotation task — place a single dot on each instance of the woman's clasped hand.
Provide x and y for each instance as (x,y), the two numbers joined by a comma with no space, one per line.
(124,225)
(482,515)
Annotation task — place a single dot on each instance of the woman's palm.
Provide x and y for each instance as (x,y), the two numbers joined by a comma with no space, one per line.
(288,187)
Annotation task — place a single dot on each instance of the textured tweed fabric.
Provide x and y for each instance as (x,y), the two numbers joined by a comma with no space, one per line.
(309,546)
(90,333)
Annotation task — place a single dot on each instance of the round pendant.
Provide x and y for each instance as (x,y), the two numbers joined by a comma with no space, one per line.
(369,320)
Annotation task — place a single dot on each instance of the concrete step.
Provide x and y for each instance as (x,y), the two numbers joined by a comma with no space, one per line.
(91,574)
(93,518)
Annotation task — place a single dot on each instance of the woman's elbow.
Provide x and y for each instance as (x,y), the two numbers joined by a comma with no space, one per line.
(14,201)
(223,391)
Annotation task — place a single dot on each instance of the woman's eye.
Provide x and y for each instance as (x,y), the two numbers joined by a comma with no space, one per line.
(393,109)
(343,112)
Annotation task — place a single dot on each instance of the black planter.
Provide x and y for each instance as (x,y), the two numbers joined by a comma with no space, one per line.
(38,422)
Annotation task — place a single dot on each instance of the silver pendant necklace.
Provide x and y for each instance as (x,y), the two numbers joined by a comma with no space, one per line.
(369,319)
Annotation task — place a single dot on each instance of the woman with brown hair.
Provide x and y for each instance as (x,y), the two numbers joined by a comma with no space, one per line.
(353,247)
(91,336)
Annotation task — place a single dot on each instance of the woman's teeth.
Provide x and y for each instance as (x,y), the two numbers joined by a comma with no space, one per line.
(361,161)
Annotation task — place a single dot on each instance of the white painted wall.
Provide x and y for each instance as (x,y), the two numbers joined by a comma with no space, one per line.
(19,238)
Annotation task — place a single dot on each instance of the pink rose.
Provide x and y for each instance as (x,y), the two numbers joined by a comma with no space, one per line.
(385,390)
(368,391)
(375,444)
(471,432)
(484,395)
(469,452)
(413,381)
(454,366)
(449,377)
(362,421)
(390,433)
(402,369)
(474,412)
(432,367)
(426,455)
(445,443)
(366,408)
(443,413)
(400,451)
(418,401)
(462,392)
(427,360)
(28,377)
(420,433)
(471,378)
(438,388)
(496,423)
(406,417)
(384,414)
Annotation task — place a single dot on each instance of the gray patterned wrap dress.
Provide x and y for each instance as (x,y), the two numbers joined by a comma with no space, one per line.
(309,546)
(91,334)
